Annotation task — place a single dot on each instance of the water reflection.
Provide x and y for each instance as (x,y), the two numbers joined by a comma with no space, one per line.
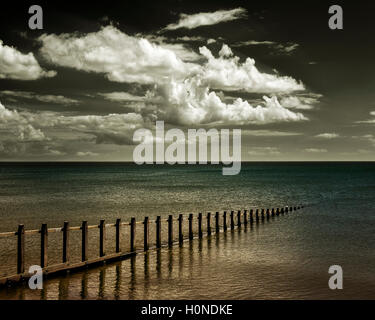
(208,268)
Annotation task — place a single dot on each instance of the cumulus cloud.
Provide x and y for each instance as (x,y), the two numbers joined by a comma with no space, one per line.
(122,58)
(183,92)
(327,135)
(190,102)
(300,102)
(206,18)
(19,66)
(47,98)
(227,73)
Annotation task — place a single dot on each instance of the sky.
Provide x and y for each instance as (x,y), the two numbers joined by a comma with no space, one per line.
(95,73)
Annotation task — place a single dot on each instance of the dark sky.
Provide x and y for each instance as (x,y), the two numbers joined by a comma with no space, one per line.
(72,106)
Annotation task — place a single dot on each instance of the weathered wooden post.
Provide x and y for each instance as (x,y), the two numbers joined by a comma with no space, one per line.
(273,212)
(132,234)
(66,253)
(298,207)
(158,231)
(43,245)
(200,232)
(286,209)
(217,225)
(225,221)
(239,218)
(268,213)
(170,230)
(262,214)
(295,208)
(277,211)
(180,228)
(102,238)
(145,234)
(257,214)
(208,223)
(118,235)
(245,217)
(21,249)
(282,210)
(290,208)
(85,231)
(251,215)
(232,220)
(191,234)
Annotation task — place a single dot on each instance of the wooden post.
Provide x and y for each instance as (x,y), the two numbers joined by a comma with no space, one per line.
(145,234)
(262,214)
(180,228)
(277,211)
(217,225)
(251,215)
(118,235)
(158,231)
(209,230)
(85,231)
(225,221)
(286,209)
(290,208)
(268,213)
(132,234)
(239,218)
(295,208)
(191,234)
(66,254)
(232,220)
(21,249)
(273,212)
(102,238)
(43,245)
(257,214)
(200,232)
(245,217)
(282,210)
(170,230)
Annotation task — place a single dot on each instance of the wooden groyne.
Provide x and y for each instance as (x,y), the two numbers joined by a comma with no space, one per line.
(236,220)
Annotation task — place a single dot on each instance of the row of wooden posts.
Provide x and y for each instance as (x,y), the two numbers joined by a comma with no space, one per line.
(249,216)
(259,214)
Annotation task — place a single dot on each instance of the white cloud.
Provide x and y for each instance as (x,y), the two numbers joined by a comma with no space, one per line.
(190,102)
(206,18)
(122,58)
(227,73)
(327,135)
(369,121)
(315,150)
(19,66)
(282,48)
(300,102)
(182,92)
(28,133)
(47,98)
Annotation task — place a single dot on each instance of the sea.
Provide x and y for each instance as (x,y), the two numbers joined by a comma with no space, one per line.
(283,257)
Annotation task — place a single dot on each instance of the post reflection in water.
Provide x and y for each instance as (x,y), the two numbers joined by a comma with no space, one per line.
(101,291)
(117,287)
(200,269)
(132,284)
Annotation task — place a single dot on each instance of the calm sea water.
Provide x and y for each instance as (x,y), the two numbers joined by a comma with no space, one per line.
(286,257)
